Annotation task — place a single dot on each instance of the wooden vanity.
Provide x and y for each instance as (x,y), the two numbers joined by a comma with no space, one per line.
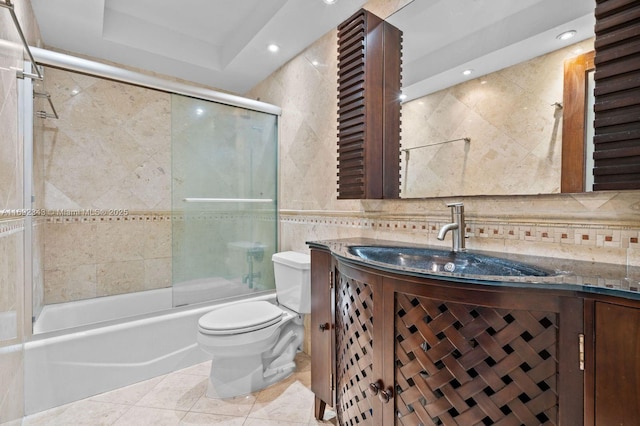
(408,348)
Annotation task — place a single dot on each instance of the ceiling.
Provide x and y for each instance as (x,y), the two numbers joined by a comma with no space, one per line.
(223,43)
(443,38)
(219,43)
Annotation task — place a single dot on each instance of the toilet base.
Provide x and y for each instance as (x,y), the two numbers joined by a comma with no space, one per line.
(238,375)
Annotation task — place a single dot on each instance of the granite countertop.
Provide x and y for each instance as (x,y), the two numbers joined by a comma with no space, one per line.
(566,274)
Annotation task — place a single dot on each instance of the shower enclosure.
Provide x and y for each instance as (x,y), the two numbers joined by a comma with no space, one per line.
(223,200)
(154,195)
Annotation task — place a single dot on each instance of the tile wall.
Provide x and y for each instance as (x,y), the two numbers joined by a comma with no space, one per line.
(107,188)
(602,226)
(12,225)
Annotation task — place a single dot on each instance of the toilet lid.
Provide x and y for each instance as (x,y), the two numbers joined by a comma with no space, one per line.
(240,318)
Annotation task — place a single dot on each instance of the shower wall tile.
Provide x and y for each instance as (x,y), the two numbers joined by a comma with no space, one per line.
(11,281)
(70,243)
(70,282)
(11,180)
(157,273)
(107,179)
(157,238)
(119,277)
(117,137)
(119,241)
(82,253)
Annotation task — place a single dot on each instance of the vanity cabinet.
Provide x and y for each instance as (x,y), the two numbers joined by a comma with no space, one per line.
(390,348)
(443,354)
(614,388)
(322,330)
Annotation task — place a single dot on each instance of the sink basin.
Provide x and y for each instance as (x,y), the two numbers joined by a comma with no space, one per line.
(439,261)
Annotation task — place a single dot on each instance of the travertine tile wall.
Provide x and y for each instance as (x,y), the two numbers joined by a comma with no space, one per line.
(12,280)
(107,179)
(514,127)
(601,226)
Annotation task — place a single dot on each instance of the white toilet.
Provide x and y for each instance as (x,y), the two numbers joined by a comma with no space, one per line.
(253,343)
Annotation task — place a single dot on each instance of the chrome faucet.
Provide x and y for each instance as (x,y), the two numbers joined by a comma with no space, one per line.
(457,226)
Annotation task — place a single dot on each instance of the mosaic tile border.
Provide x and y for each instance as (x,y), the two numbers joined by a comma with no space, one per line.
(562,233)
(110,219)
(157,217)
(10,227)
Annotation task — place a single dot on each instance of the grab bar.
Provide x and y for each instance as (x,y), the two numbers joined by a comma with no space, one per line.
(21,74)
(228,200)
(467,140)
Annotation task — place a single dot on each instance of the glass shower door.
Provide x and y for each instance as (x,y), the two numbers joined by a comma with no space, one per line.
(224,224)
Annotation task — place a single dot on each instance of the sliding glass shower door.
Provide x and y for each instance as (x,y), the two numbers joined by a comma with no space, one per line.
(224,186)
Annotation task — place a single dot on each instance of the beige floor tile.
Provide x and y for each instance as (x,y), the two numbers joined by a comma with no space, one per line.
(239,406)
(45,417)
(287,401)
(129,394)
(211,419)
(178,398)
(264,422)
(176,392)
(89,413)
(144,416)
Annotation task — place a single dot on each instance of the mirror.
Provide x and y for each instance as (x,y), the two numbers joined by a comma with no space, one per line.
(496,129)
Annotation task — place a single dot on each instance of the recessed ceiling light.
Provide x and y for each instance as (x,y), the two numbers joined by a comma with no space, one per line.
(403,97)
(315,63)
(199,111)
(566,35)
(330,1)
(273,48)
(467,72)
(75,92)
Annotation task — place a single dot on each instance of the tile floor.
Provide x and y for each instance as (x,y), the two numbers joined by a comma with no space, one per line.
(178,399)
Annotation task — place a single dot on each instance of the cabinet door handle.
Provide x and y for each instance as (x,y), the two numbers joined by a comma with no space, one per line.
(375,387)
(386,395)
(324,327)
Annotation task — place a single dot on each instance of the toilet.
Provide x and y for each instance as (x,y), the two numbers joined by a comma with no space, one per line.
(253,343)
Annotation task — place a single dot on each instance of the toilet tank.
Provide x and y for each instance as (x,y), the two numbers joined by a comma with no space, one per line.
(292,272)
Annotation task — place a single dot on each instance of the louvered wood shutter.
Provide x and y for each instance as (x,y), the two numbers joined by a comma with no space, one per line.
(617,95)
(369,73)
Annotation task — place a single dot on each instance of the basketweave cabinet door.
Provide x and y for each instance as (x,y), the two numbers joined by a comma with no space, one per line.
(471,357)
(358,348)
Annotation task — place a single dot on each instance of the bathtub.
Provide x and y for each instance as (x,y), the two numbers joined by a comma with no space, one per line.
(65,366)
(62,316)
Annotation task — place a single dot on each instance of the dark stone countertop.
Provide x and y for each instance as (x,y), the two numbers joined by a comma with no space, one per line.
(565,274)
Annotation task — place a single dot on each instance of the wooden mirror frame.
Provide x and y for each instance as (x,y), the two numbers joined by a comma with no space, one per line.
(574,122)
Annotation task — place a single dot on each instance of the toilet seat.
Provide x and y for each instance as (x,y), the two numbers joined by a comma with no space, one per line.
(240,318)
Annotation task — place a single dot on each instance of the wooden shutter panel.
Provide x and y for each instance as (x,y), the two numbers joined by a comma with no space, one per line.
(617,94)
(369,64)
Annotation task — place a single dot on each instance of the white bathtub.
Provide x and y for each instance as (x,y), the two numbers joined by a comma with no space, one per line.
(61,316)
(64,367)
